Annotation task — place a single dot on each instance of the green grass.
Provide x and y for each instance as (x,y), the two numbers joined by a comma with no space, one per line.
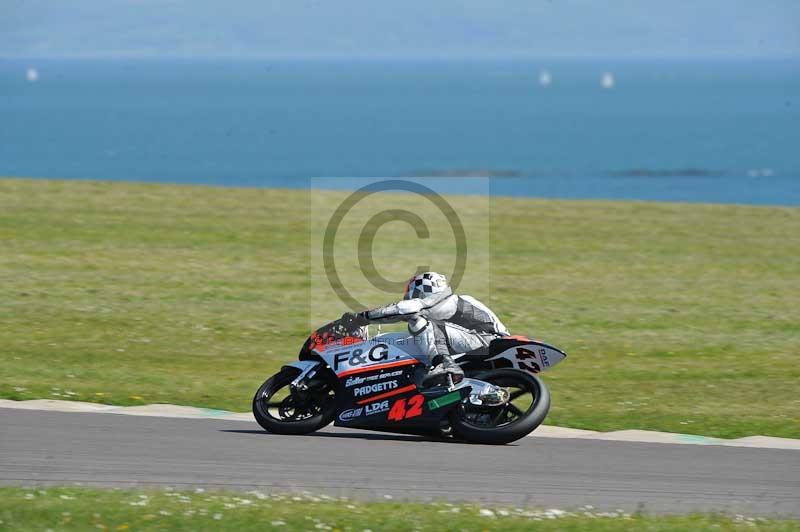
(93,509)
(676,317)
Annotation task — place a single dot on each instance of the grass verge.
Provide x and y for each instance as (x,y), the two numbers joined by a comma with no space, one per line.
(93,509)
(676,317)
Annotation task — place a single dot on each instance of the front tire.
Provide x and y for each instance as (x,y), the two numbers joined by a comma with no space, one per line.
(529,404)
(280,410)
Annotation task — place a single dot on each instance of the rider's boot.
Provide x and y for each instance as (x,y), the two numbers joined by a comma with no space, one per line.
(437,374)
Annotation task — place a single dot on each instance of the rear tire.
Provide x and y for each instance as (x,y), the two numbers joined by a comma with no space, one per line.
(531,418)
(318,411)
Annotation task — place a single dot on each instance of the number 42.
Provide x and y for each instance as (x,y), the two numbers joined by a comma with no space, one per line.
(399,412)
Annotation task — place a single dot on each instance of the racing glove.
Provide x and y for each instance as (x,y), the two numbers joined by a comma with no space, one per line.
(351,320)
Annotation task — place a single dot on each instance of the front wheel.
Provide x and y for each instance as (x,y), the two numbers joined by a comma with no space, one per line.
(281,410)
(527,407)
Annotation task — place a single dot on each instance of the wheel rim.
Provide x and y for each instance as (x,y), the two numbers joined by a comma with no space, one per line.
(523,396)
(283,404)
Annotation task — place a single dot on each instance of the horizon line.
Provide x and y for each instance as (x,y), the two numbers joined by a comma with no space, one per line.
(399,58)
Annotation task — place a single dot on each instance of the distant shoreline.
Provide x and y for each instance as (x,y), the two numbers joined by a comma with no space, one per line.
(503,188)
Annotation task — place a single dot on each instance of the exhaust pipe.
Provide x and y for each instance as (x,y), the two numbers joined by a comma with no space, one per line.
(490,395)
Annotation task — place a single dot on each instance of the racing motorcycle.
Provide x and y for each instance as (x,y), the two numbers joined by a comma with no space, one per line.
(346,377)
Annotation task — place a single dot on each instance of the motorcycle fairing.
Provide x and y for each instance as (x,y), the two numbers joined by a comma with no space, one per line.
(403,408)
(364,356)
(377,379)
(381,393)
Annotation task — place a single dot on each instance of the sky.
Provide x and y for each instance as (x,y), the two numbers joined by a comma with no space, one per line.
(405,29)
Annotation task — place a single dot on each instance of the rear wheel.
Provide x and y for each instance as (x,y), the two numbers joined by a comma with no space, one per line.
(281,410)
(527,407)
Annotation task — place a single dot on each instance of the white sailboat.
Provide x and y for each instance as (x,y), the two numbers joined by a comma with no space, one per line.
(545,79)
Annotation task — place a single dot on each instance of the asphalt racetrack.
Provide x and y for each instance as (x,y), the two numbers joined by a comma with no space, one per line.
(55,448)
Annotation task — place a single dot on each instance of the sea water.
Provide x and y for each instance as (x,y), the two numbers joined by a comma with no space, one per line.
(701,131)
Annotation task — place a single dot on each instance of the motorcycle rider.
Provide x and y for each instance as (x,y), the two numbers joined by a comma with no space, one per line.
(443,323)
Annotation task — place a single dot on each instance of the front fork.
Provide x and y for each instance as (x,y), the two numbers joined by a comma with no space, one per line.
(308,368)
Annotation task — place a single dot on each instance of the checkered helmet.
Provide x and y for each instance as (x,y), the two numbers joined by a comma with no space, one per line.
(426,285)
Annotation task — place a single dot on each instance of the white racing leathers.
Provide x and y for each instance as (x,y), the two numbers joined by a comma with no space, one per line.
(444,325)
